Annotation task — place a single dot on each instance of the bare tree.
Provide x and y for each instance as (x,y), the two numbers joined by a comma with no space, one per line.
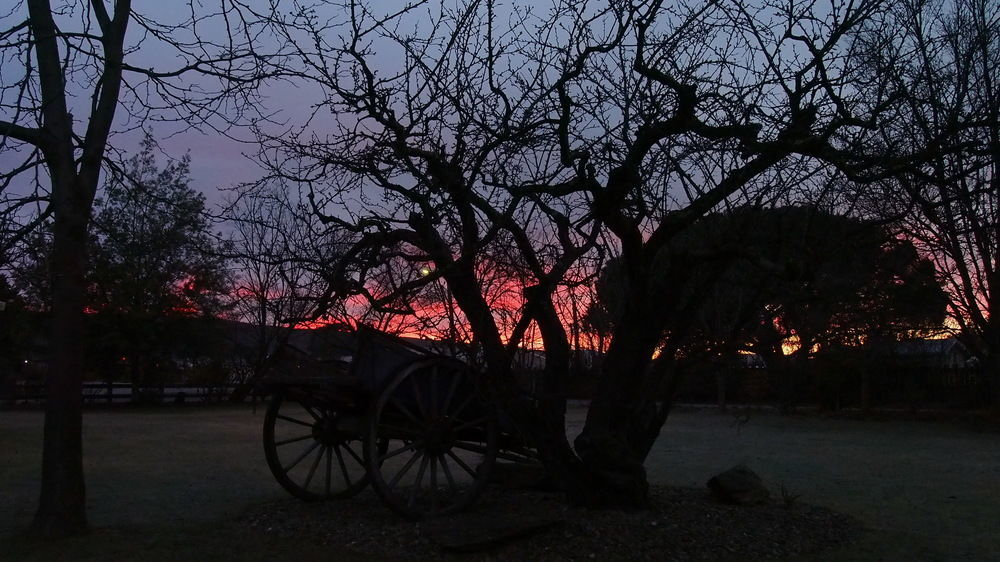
(945,57)
(440,163)
(78,67)
(712,105)
(490,148)
(272,292)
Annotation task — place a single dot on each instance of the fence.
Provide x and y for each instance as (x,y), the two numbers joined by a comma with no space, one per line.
(122,393)
(834,387)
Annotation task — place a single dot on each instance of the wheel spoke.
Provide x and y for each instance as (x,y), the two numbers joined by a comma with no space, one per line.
(434,500)
(401,450)
(293,420)
(406,412)
(405,469)
(448,476)
(312,469)
(462,464)
(304,455)
(465,403)
(355,455)
(329,469)
(293,440)
(416,483)
(343,466)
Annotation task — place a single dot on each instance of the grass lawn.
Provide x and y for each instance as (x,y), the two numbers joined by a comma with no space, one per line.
(927,490)
(168,483)
(162,484)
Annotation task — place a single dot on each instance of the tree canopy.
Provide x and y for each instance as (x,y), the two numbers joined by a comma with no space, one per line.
(153,251)
(78,66)
(752,279)
(153,259)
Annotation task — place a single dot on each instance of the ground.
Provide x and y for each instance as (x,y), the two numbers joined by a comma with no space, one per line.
(178,482)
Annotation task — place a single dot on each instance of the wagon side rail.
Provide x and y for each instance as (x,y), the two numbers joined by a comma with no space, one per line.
(291,365)
(379,356)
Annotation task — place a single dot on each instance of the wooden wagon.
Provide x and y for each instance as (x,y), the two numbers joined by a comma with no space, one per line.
(384,411)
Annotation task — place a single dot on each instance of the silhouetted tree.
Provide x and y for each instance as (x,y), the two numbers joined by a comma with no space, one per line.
(945,57)
(514,147)
(67,72)
(441,174)
(781,282)
(153,258)
(274,249)
(16,331)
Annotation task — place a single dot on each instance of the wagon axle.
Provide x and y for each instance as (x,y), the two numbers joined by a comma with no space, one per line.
(439,438)
(335,430)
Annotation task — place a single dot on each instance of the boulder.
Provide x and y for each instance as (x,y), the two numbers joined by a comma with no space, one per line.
(739,485)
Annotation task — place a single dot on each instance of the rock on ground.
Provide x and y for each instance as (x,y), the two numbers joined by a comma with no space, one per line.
(739,485)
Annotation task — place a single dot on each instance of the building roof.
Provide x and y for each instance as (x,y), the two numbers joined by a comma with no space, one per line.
(930,347)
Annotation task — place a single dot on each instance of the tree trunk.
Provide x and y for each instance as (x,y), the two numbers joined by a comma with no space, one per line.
(614,471)
(866,388)
(991,368)
(62,506)
(720,386)
(671,371)
(560,461)
(790,372)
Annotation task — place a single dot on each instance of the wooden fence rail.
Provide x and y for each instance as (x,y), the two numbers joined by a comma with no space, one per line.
(122,393)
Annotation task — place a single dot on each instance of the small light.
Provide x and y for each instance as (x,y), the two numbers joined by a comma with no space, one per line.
(425,271)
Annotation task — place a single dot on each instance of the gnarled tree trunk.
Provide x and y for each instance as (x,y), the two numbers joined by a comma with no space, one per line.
(608,446)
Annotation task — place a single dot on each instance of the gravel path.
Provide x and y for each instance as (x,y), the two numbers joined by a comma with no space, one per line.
(683,524)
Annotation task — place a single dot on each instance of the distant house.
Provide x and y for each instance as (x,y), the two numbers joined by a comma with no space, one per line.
(750,360)
(947,353)
(529,359)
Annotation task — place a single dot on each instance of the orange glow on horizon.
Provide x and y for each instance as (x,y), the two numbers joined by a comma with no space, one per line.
(436,316)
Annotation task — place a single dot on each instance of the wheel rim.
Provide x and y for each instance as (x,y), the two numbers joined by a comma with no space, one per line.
(313,450)
(441,440)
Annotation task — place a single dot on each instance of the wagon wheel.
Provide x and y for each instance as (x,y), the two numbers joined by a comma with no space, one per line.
(442,438)
(312,448)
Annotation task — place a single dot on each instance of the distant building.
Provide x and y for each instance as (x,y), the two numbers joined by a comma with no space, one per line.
(749,360)
(947,353)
